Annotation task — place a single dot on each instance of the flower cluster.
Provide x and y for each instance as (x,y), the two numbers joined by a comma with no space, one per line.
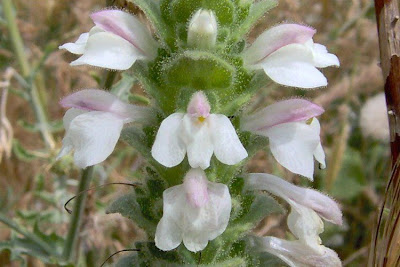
(199,210)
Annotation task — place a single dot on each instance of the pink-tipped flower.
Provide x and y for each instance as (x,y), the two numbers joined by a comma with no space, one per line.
(199,134)
(294,141)
(93,124)
(116,42)
(195,212)
(289,56)
(323,205)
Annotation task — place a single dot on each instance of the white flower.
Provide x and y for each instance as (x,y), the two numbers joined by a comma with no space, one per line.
(199,134)
(326,207)
(195,212)
(307,250)
(294,141)
(202,32)
(304,222)
(93,124)
(116,42)
(289,56)
(374,119)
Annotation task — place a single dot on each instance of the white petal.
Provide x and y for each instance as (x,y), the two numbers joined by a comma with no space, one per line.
(71,114)
(128,27)
(293,65)
(79,46)
(322,204)
(168,149)
(198,143)
(319,153)
(305,224)
(93,135)
(322,58)
(298,254)
(169,233)
(107,50)
(291,110)
(208,222)
(275,38)
(227,147)
(293,145)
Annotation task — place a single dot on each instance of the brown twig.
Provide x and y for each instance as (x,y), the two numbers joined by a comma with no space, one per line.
(385,246)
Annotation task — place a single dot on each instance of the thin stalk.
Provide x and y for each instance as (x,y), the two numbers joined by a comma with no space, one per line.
(11,224)
(18,47)
(77,212)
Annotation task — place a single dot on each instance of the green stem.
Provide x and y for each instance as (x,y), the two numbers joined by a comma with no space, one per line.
(19,50)
(11,224)
(77,212)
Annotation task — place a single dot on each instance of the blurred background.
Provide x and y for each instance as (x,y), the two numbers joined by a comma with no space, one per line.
(34,187)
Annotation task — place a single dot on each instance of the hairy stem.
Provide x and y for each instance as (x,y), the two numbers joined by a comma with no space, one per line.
(77,212)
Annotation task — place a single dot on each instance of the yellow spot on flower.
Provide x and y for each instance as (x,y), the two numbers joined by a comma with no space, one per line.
(201,119)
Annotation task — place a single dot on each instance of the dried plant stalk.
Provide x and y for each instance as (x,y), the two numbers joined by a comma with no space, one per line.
(385,246)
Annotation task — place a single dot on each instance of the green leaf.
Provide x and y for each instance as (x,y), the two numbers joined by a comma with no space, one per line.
(351,178)
(200,71)
(131,260)
(21,152)
(151,9)
(257,10)
(261,206)
(136,138)
(128,207)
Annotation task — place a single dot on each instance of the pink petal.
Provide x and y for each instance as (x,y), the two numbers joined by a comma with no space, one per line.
(99,100)
(275,38)
(128,27)
(198,105)
(291,110)
(195,185)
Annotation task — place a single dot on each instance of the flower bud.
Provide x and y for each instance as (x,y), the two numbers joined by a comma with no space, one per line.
(202,32)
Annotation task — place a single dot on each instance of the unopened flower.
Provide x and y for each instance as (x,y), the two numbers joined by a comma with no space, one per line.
(374,119)
(202,31)
(323,205)
(289,56)
(199,134)
(294,140)
(195,212)
(93,124)
(116,42)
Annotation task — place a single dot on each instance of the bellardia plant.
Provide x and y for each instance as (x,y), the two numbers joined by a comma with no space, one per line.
(195,200)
